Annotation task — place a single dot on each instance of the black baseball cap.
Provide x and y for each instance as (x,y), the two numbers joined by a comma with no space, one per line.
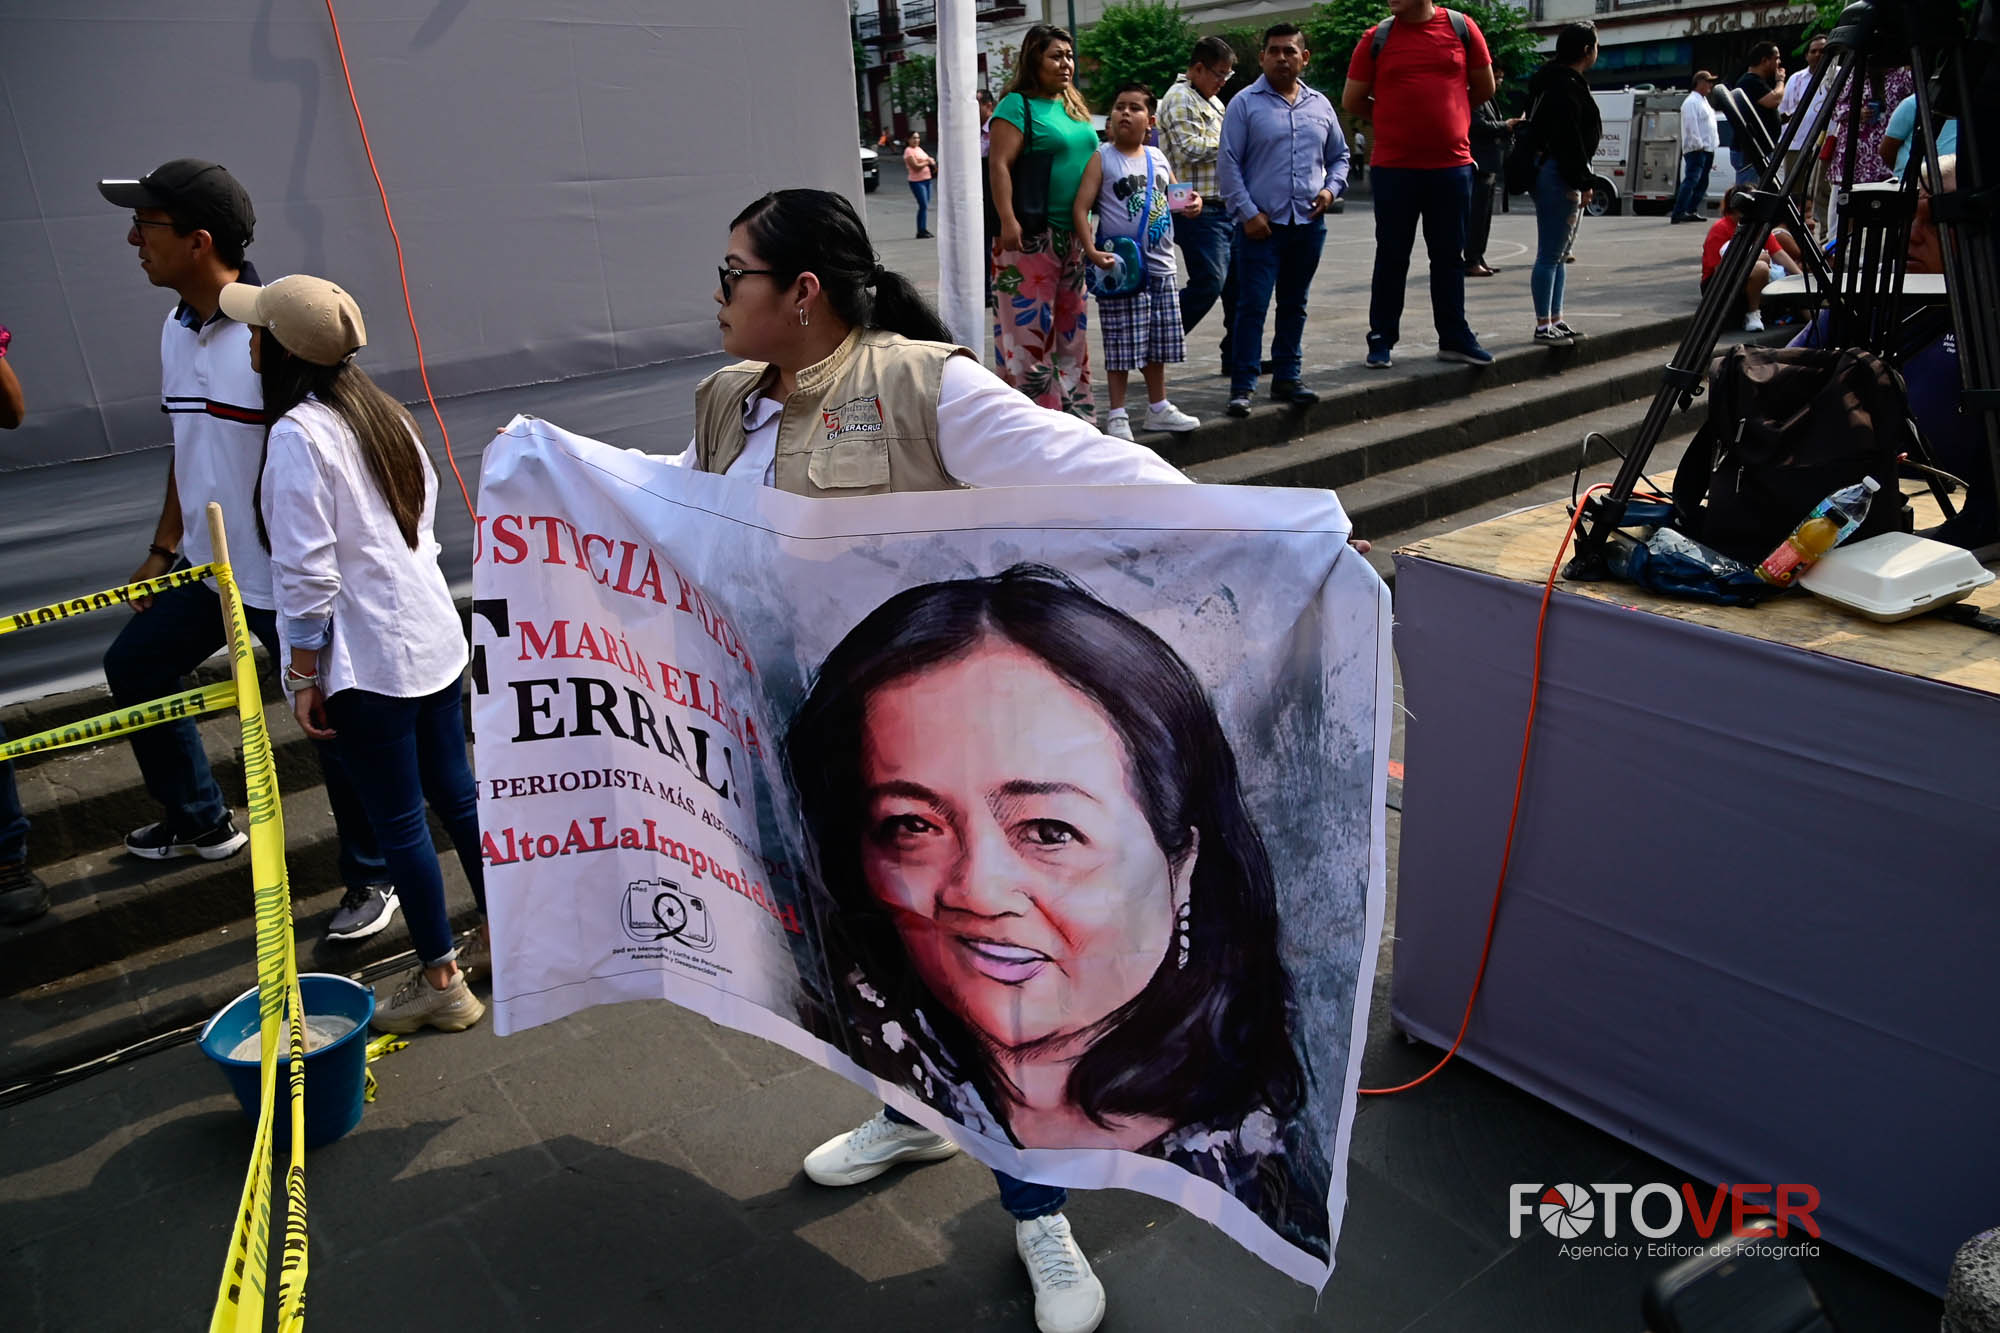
(197,191)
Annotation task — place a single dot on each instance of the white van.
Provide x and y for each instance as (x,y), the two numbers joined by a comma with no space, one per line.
(1638,159)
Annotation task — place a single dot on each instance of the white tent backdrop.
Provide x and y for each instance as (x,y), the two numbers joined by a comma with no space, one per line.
(562,172)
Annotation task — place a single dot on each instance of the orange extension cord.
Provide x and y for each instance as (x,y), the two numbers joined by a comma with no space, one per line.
(1520,781)
(423,371)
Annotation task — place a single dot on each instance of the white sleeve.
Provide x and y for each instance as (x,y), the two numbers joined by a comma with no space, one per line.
(990,434)
(685,458)
(299,517)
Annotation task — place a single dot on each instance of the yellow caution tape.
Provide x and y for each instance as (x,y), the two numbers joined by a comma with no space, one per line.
(239,1304)
(120,721)
(98,601)
(379,1047)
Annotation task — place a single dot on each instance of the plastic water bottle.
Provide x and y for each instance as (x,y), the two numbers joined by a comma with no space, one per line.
(1831,522)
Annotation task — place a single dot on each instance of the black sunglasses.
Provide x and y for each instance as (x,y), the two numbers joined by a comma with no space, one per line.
(726,278)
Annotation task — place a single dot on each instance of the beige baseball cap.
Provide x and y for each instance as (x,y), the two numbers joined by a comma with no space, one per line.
(315,320)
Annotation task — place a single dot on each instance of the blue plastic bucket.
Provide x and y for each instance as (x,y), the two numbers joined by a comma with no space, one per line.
(336,1074)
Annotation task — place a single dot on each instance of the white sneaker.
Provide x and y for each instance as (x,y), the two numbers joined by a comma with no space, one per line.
(1068,1296)
(1119,427)
(1753,323)
(1169,417)
(865,1153)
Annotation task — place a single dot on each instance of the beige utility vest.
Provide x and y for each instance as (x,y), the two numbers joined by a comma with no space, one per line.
(862,422)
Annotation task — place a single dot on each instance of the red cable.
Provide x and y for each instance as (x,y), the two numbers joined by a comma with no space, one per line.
(1520,781)
(423,371)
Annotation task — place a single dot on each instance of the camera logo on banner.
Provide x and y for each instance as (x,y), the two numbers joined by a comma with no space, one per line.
(657,910)
(1566,1211)
(1628,1221)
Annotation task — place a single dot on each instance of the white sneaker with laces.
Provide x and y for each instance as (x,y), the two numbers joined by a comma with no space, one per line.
(1753,322)
(1068,1296)
(1169,417)
(1119,427)
(878,1144)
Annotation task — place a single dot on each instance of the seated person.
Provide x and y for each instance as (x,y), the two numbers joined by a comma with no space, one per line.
(1930,368)
(1781,256)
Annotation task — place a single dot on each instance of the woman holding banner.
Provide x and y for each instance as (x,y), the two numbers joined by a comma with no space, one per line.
(852,386)
(344,505)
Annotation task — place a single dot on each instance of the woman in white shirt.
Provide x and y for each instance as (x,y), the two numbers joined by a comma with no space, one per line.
(375,647)
(822,404)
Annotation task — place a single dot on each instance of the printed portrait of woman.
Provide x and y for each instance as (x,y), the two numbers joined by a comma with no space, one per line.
(1045,907)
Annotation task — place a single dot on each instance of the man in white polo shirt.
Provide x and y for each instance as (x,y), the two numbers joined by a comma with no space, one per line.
(190,223)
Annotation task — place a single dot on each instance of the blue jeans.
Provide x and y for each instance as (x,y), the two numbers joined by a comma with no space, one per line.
(1022,1198)
(1745,173)
(1440,198)
(13,824)
(1284,262)
(1695,167)
(1211,269)
(413,750)
(1557,208)
(149,658)
(922,190)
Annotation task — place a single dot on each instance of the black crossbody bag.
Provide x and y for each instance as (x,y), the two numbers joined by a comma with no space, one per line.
(1030,171)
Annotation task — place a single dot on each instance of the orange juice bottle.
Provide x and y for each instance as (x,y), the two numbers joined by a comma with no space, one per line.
(1831,522)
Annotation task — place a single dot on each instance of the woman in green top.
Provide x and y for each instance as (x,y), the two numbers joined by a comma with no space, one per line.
(1038,268)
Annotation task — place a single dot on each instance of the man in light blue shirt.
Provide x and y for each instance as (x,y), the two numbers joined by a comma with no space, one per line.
(1283,162)
(1903,127)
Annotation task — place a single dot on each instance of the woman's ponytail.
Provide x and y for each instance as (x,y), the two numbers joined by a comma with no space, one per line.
(899,308)
(818,232)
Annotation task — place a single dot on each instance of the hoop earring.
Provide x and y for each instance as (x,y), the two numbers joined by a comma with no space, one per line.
(1181,925)
(803,321)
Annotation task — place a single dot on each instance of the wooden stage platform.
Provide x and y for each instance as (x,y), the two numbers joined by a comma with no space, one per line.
(1520,546)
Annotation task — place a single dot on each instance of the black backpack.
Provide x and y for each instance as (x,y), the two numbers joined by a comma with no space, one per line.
(1787,427)
(1458,25)
(1524,156)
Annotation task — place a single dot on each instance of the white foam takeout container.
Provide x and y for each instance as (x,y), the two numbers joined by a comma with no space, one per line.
(1895,576)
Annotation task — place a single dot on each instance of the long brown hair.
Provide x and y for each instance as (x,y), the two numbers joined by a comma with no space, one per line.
(1028,69)
(386,434)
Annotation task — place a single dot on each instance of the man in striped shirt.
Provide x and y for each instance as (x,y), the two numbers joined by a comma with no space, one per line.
(1190,120)
(190,223)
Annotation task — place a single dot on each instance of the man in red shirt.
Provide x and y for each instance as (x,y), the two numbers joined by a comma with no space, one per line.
(1417,86)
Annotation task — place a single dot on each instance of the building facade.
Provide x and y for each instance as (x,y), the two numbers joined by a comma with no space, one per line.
(892,31)
(1663,42)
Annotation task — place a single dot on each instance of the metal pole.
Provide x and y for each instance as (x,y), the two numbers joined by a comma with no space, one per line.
(957,200)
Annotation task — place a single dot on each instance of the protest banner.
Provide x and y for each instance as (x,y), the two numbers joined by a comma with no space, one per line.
(1055,816)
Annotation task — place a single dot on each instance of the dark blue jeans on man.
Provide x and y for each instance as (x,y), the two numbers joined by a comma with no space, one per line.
(1205,240)
(1440,199)
(413,751)
(1283,264)
(13,823)
(1693,191)
(1024,1199)
(149,658)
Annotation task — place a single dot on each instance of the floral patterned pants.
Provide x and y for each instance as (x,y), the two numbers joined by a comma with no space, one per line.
(1040,324)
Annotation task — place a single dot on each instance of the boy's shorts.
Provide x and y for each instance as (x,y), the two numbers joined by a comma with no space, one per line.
(1144,327)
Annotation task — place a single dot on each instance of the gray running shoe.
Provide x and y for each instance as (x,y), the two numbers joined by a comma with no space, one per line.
(363,912)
